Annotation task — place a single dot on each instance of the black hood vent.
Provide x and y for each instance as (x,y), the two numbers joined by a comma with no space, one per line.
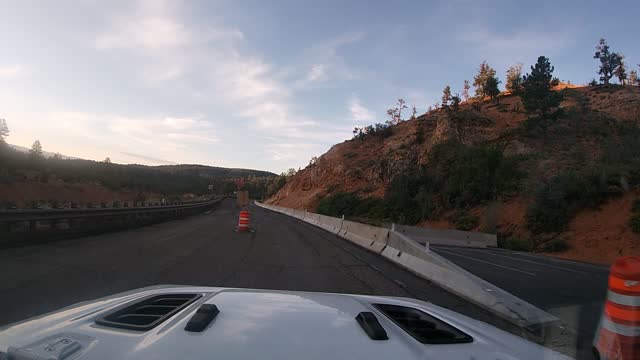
(147,313)
(422,326)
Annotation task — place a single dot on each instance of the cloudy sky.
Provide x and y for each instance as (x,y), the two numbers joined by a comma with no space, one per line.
(265,84)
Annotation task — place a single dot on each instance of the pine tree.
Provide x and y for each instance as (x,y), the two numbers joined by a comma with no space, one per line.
(107,160)
(480,80)
(395,114)
(537,96)
(446,97)
(455,103)
(609,61)
(633,78)
(491,87)
(414,111)
(465,90)
(514,78)
(621,71)
(4,130)
(36,150)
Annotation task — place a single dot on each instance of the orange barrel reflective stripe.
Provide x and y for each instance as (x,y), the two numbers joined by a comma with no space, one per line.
(618,336)
(243,221)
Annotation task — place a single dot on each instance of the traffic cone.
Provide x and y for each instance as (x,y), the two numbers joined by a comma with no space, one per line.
(243,221)
(618,335)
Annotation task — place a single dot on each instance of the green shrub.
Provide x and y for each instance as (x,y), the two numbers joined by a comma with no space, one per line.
(467,175)
(351,206)
(338,204)
(556,203)
(515,243)
(400,199)
(490,218)
(634,222)
(419,134)
(456,177)
(555,245)
(466,222)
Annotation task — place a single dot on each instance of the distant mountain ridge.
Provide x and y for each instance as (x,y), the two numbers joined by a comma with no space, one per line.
(211,172)
(46,154)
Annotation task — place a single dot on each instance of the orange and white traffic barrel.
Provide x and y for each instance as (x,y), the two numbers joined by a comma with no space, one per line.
(618,336)
(243,221)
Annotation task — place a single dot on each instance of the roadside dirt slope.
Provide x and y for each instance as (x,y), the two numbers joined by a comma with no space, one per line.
(367,166)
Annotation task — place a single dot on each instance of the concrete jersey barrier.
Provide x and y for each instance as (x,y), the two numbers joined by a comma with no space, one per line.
(447,237)
(331,224)
(405,251)
(409,254)
(370,237)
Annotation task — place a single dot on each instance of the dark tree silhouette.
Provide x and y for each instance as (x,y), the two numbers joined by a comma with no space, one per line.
(537,96)
(514,78)
(621,71)
(4,130)
(480,80)
(36,150)
(446,96)
(633,78)
(609,61)
(465,90)
(491,88)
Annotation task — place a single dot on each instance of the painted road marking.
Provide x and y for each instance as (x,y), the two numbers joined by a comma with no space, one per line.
(532,262)
(486,262)
(566,261)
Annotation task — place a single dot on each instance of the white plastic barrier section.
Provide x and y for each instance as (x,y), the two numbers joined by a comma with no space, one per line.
(406,252)
(448,237)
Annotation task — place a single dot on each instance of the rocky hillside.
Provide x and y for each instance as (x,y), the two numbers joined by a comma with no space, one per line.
(566,186)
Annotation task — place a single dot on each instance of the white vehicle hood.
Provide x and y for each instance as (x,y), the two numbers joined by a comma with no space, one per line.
(267,325)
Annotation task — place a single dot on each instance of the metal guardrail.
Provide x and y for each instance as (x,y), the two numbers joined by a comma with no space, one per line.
(54,214)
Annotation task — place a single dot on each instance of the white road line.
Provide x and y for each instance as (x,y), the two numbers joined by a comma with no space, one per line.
(486,262)
(532,262)
(564,261)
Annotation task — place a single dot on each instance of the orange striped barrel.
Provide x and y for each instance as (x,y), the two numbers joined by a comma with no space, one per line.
(618,336)
(243,221)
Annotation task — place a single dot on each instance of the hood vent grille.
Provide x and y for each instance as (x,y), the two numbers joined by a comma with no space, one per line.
(147,313)
(422,326)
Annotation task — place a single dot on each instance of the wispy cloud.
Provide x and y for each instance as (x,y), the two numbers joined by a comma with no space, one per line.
(323,62)
(359,112)
(287,151)
(172,133)
(318,72)
(227,75)
(503,48)
(11,71)
(151,30)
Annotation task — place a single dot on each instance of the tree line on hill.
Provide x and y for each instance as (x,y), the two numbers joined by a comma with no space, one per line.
(171,181)
(532,88)
(460,176)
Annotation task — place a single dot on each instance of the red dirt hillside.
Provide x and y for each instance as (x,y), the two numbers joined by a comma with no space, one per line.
(599,233)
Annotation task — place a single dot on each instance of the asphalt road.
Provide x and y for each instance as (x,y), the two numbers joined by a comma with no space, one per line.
(573,291)
(282,253)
